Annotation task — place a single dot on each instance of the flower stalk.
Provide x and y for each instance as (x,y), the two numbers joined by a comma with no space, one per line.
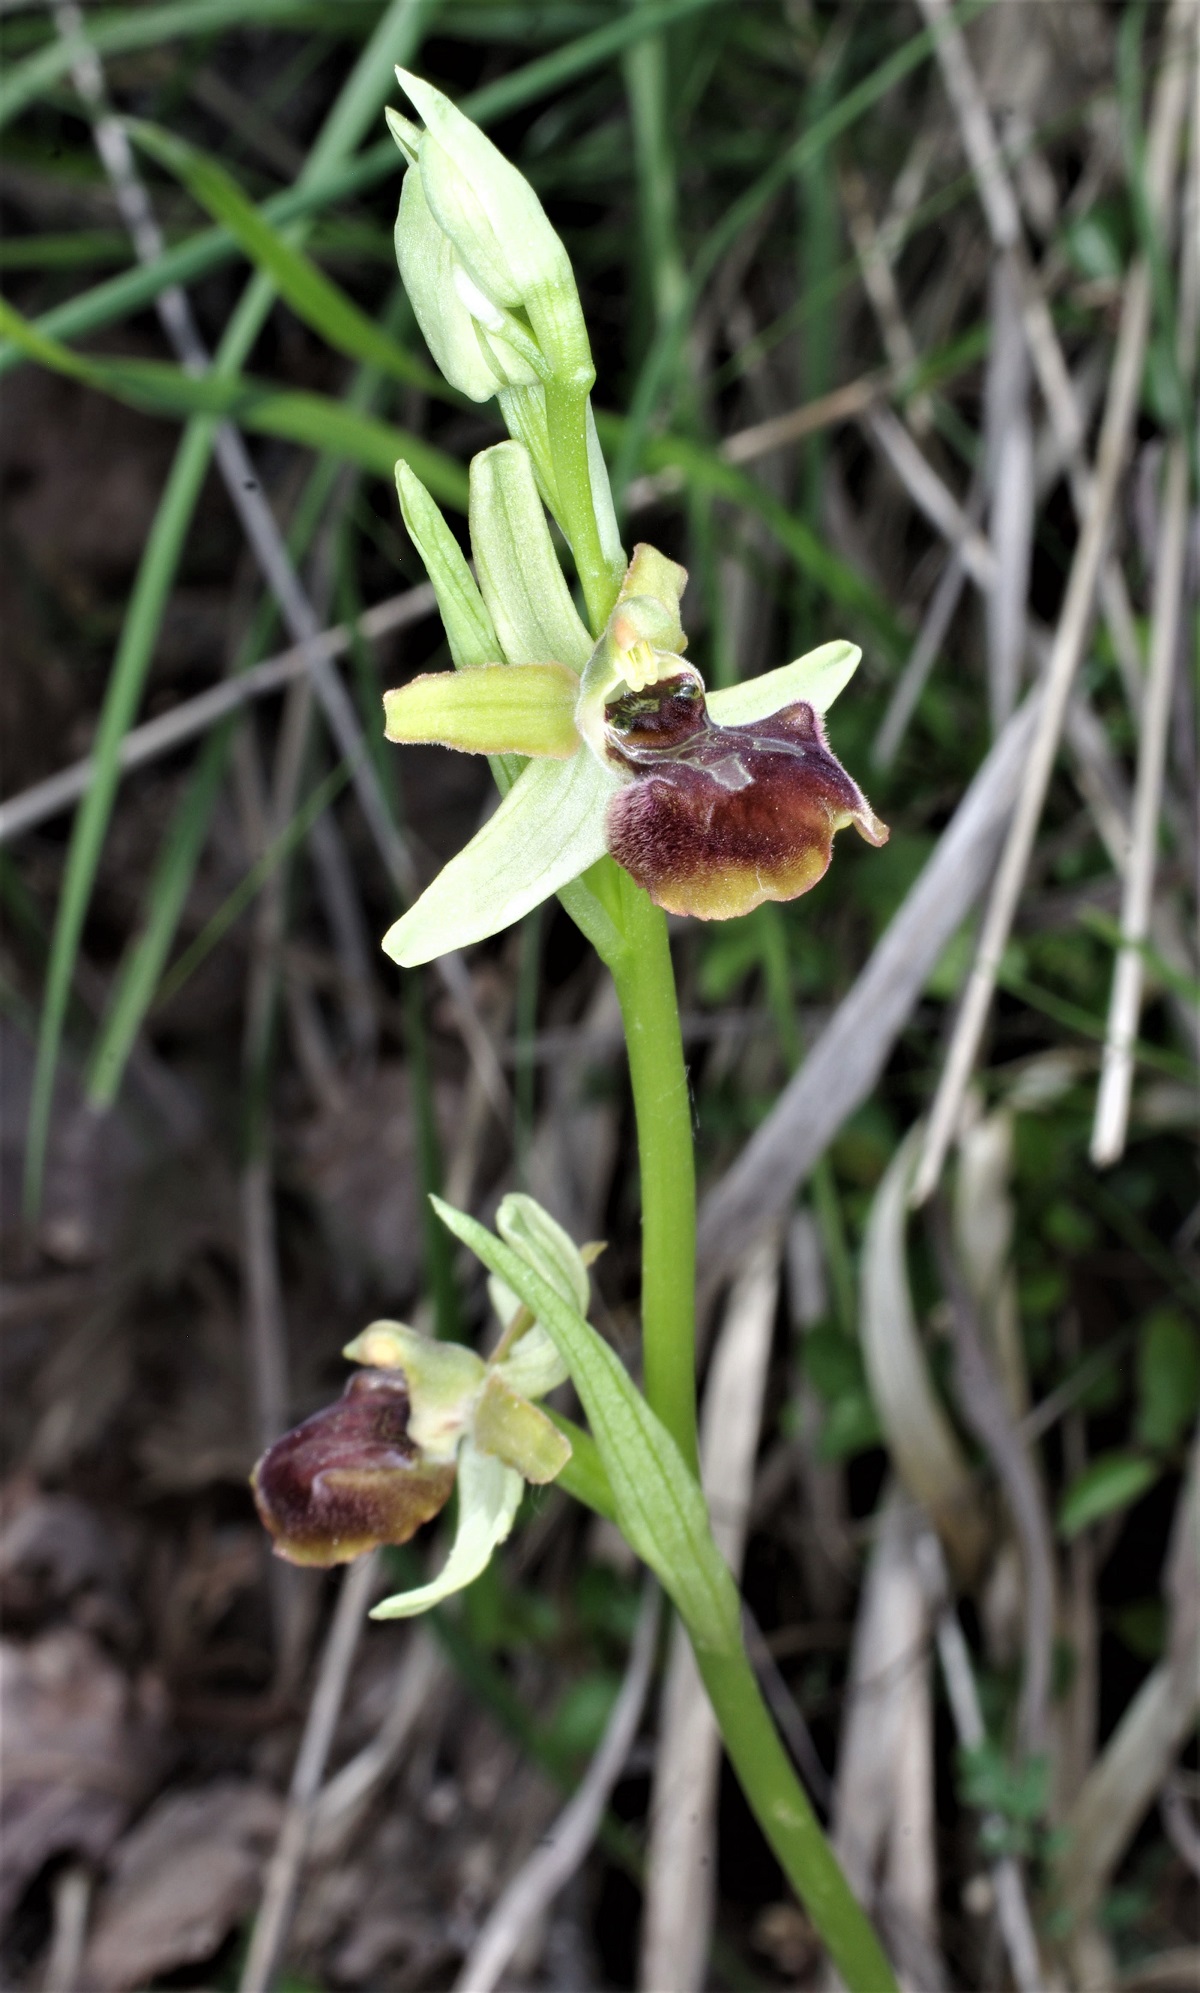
(645,984)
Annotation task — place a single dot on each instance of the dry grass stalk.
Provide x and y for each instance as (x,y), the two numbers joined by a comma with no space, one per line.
(564,1847)
(1074,621)
(191,717)
(1012,1907)
(1008,445)
(1139,1754)
(883,1818)
(279,1895)
(923,1445)
(847,1059)
(1116,1077)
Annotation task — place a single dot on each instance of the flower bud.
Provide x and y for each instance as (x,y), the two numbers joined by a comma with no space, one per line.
(350,1477)
(503,276)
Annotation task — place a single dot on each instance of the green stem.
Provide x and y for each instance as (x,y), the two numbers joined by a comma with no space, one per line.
(566,427)
(645,984)
(787,1820)
(640,964)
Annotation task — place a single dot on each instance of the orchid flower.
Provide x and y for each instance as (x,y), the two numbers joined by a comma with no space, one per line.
(712,801)
(423,1417)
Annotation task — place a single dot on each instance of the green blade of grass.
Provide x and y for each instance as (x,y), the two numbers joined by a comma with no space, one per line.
(312,295)
(155,579)
(663,354)
(320,423)
(239,899)
(314,421)
(398,33)
(330,177)
(125,29)
(139,973)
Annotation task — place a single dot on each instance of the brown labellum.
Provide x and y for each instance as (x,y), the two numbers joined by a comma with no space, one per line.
(349,1477)
(717,819)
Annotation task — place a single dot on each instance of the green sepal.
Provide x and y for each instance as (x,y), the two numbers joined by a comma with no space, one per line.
(519,575)
(443,1380)
(660,1509)
(602,499)
(817,678)
(548,829)
(470,631)
(524,412)
(489,1495)
(507,1425)
(495,709)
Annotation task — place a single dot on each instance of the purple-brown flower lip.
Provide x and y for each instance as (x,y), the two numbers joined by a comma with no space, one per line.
(712,819)
(350,1477)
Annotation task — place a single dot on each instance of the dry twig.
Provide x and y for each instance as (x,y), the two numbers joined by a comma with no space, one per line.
(283,1875)
(565,1845)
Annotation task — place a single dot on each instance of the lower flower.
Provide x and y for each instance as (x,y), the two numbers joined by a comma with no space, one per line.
(350,1477)
(422,1419)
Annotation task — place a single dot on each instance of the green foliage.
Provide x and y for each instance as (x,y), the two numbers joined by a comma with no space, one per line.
(1014,1798)
(1108,1484)
(578,1722)
(1168,1379)
(833,1361)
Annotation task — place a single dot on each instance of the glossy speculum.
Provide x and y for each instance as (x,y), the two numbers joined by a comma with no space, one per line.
(716,819)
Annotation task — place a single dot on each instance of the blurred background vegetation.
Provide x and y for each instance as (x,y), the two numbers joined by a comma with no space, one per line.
(826,384)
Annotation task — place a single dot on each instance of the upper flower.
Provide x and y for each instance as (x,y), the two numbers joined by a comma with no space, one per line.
(712,801)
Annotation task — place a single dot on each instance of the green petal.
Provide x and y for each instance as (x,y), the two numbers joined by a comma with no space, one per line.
(817,678)
(548,829)
(521,1435)
(522,582)
(545,1246)
(443,1381)
(535,1367)
(469,629)
(498,709)
(489,1495)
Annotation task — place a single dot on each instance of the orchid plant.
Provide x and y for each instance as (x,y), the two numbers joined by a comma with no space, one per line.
(630,791)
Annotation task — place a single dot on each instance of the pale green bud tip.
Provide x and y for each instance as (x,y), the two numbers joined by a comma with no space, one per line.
(406,134)
(501,236)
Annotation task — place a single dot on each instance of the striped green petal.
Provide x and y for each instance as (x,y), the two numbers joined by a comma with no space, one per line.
(489,1495)
(817,678)
(519,575)
(495,709)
